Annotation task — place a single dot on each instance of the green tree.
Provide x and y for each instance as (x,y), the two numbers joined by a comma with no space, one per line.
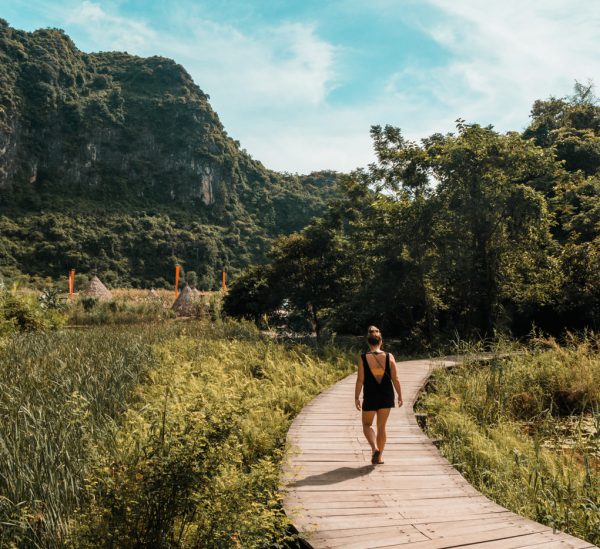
(480,237)
(251,295)
(571,125)
(577,205)
(307,270)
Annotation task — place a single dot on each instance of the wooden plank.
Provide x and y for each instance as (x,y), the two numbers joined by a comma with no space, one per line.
(401,534)
(365,528)
(342,537)
(452,541)
(319,510)
(532,541)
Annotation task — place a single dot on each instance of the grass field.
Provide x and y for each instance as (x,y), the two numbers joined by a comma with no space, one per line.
(159,434)
(525,430)
(133,430)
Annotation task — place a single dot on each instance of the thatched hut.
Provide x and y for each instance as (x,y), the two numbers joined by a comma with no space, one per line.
(96,289)
(185,304)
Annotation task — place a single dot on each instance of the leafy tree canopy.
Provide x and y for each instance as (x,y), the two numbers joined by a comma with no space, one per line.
(467,233)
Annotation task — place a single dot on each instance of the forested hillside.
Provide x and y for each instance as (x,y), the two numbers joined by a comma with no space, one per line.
(117,164)
(463,234)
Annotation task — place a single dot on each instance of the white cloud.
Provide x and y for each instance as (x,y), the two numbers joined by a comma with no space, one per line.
(259,81)
(282,66)
(504,55)
(324,138)
(109,31)
(508,54)
(277,65)
(271,84)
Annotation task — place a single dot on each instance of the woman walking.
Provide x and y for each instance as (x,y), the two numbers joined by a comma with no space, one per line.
(378,375)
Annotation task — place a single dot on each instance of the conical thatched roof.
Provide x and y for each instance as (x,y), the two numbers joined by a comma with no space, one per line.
(184,304)
(96,289)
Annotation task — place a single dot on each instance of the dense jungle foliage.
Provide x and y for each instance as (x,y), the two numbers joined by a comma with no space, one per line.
(117,164)
(463,234)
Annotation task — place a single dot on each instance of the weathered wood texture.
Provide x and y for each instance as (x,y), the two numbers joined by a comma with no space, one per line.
(336,498)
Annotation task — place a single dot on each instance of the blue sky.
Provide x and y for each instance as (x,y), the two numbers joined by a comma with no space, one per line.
(300,82)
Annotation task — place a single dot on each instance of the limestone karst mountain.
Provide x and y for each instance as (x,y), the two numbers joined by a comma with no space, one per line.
(99,151)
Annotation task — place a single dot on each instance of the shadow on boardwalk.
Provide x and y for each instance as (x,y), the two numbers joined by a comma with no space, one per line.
(335,475)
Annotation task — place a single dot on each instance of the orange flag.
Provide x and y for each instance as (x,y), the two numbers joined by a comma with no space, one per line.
(71,282)
(223,282)
(177,269)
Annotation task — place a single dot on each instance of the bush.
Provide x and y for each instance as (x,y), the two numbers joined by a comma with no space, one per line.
(51,300)
(88,302)
(24,313)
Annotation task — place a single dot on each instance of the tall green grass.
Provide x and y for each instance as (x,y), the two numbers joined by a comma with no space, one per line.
(161,435)
(499,422)
(88,311)
(59,394)
(196,462)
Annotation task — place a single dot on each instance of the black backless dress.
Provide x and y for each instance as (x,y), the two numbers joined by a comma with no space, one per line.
(376,394)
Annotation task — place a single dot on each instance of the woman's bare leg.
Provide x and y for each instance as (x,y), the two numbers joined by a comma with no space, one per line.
(367,422)
(382,417)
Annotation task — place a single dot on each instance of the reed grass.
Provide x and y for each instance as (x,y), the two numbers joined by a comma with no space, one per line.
(161,434)
(499,422)
(86,312)
(60,392)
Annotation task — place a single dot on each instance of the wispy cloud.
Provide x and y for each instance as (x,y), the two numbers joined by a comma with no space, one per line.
(110,31)
(507,54)
(271,83)
(263,82)
(274,65)
(280,67)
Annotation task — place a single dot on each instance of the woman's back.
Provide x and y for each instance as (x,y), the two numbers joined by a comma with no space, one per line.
(378,388)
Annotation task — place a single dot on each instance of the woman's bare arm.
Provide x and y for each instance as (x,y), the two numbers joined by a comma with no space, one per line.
(395,379)
(360,379)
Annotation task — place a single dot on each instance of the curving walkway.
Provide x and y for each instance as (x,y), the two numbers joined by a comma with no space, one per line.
(336,498)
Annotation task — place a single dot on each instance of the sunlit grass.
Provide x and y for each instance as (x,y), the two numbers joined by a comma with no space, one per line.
(201,446)
(503,425)
(170,433)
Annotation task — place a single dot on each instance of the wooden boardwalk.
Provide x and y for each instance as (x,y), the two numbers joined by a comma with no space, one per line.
(336,498)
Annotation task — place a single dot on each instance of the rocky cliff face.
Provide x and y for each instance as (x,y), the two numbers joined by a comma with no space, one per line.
(112,126)
(107,125)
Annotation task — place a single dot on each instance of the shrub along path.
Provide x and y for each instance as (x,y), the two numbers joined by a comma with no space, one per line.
(336,498)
